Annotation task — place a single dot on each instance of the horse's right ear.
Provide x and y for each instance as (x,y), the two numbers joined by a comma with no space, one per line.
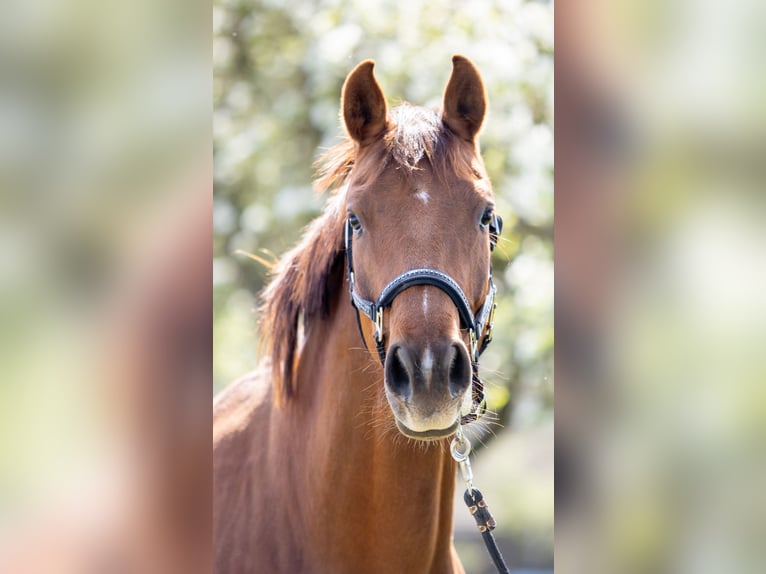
(363,104)
(465,100)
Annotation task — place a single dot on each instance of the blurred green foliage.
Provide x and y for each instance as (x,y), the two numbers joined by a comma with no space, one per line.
(279,68)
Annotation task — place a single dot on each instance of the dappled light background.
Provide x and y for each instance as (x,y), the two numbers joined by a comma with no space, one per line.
(660,283)
(105,322)
(278,72)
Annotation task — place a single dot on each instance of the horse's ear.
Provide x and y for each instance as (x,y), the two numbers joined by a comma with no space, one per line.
(363,104)
(465,101)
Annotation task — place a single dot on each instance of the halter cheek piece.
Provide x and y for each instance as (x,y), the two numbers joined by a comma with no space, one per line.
(475,324)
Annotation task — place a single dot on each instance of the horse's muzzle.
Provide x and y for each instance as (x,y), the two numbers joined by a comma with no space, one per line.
(425,385)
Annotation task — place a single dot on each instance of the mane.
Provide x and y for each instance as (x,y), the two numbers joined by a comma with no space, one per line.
(413,134)
(310,275)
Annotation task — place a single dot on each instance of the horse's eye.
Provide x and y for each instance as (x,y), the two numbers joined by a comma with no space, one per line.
(486,217)
(354,222)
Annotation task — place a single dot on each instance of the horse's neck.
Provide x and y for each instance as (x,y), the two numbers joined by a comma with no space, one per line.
(391,496)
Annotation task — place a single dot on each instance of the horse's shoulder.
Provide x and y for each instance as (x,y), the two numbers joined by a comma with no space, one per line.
(240,405)
(241,418)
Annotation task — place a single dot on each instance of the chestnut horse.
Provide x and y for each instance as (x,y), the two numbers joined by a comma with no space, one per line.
(333,457)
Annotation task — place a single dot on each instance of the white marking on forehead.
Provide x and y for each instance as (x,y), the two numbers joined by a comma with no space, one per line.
(423,196)
(425,302)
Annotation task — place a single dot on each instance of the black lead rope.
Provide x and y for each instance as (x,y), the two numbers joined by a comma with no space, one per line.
(460,448)
(486,524)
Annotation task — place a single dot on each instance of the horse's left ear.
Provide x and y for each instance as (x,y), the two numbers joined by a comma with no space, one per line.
(465,100)
(363,104)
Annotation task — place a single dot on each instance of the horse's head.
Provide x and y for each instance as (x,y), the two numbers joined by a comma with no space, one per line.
(418,197)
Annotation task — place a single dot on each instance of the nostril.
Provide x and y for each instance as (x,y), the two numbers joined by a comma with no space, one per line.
(459,370)
(397,374)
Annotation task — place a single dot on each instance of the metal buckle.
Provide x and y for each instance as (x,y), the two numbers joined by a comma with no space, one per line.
(460,448)
(379,324)
(474,345)
(490,323)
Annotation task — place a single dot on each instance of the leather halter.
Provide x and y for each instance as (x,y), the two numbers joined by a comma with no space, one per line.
(475,324)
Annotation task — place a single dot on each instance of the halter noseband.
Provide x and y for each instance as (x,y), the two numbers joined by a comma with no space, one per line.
(475,324)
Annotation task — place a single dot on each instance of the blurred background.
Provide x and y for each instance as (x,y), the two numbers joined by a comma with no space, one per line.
(660,281)
(105,321)
(278,73)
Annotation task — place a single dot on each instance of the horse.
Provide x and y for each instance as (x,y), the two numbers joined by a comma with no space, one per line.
(333,455)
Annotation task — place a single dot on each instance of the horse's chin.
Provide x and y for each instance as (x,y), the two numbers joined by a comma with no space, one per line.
(426,422)
(427,435)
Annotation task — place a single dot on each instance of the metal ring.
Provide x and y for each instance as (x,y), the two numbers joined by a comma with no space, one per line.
(455,445)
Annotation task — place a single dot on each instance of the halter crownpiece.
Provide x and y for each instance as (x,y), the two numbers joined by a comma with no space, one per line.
(475,324)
